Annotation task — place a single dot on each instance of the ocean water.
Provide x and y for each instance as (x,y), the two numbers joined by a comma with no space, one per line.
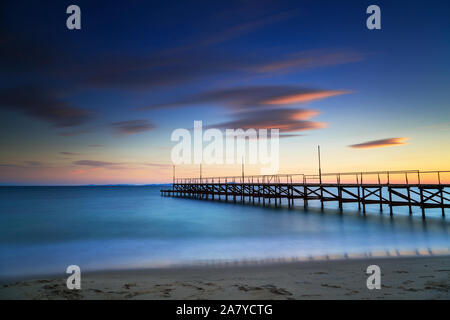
(45,229)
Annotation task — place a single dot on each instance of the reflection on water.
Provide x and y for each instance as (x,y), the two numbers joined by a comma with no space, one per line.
(45,229)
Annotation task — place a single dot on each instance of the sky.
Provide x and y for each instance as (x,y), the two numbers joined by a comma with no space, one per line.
(98,105)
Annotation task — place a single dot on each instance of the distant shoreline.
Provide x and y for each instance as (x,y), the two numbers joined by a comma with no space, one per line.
(90,185)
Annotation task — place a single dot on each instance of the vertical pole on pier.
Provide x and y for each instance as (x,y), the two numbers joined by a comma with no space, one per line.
(320,178)
(359,193)
(201,186)
(320,167)
(243,175)
(173,182)
(243,180)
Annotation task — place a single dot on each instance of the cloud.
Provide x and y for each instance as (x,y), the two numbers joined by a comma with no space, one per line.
(291,135)
(73,133)
(185,65)
(238,30)
(43,104)
(287,120)
(390,142)
(32,163)
(26,164)
(69,153)
(93,163)
(254,96)
(132,126)
(168,67)
(305,97)
(158,165)
(310,59)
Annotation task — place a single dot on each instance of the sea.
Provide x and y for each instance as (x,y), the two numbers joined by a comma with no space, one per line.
(43,230)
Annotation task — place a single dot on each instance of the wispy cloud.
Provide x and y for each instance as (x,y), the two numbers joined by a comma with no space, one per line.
(235,31)
(177,68)
(390,142)
(66,153)
(287,120)
(310,59)
(132,126)
(73,133)
(254,96)
(305,97)
(94,163)
(26,164)
(33,163)
(43,104)
(158,165)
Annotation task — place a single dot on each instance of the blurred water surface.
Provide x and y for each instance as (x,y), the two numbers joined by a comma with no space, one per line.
(45,229)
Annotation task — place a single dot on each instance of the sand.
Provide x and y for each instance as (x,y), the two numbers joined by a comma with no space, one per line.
(401,278)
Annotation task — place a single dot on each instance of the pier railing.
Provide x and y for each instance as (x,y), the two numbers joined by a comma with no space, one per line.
(407,177)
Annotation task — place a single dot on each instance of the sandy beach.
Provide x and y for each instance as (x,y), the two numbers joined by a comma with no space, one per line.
(401,278)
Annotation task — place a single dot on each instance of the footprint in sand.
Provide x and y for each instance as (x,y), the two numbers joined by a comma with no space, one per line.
(268,287)
(129,285)
(330,286)
(437,285)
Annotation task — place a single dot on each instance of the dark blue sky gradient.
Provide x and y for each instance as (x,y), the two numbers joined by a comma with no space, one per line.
(130,56)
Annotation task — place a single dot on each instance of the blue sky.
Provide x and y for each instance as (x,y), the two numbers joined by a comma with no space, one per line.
(113,91)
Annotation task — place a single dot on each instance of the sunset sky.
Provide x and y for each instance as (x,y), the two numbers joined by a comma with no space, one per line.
(98,105)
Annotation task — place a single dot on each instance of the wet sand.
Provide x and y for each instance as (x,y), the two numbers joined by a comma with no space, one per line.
(401,278)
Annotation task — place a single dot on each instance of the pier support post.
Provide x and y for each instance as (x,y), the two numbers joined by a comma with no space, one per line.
(363,199)
(305,196)
(422,204)
(409,200)
(380,190)
(390,201)
(289,191)
(359,199)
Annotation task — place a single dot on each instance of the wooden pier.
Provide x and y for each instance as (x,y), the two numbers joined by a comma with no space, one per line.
(384,189)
